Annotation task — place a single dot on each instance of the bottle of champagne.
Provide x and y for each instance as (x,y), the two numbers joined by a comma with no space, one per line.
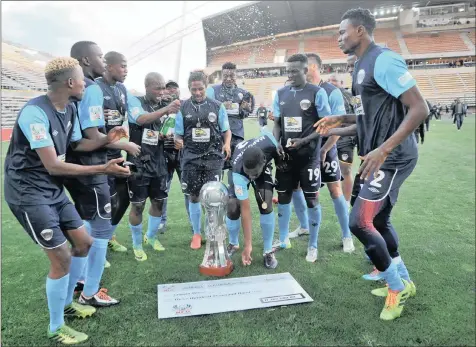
(168,126)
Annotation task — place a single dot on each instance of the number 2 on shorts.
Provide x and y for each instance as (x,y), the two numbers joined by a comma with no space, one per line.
(375,182)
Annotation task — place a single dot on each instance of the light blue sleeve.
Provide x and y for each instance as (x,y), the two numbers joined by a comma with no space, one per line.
(336,102)
(270,136)
(276,112)
(35,125)
(241,186)
(90,109)
(391,73)
(210,92)
(134,108)
(179,123)
(77,135)
(223,119)
(322,103)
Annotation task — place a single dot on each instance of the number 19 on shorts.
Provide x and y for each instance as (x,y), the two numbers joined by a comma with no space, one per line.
(314,174)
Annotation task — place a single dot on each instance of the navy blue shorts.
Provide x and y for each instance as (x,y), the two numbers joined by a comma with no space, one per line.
(91,201)
(141,188)
(114,182)
(193,180)
(299,172)
(387,182)
(46,224)
(330,168)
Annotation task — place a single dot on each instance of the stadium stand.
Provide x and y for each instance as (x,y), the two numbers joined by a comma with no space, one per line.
(440,57)
(435,43)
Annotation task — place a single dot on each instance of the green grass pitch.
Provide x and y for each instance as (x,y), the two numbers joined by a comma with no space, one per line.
(434,217)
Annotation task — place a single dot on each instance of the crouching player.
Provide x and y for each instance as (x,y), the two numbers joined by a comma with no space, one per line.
(251,164)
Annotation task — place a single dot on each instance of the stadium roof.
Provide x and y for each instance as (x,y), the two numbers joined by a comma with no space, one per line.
(267,18)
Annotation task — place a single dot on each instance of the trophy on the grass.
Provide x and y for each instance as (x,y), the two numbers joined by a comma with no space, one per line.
(214,199)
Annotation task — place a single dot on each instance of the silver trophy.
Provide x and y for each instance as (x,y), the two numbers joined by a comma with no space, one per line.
(214,199)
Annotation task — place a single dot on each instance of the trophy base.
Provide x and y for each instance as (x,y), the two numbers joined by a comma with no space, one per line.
(217,271)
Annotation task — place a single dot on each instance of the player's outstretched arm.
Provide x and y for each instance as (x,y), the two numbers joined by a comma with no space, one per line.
(56,167)
(95,139)
(148,118)
(346,131)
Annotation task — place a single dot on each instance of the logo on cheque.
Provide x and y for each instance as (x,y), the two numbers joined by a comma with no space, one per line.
(182,309)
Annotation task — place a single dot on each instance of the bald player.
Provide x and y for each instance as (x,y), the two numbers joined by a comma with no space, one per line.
(150,179)
(91,193)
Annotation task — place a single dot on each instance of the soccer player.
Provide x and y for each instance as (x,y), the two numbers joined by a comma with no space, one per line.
(91,194)
(252,165)
(34,166)
(238,103)
(202,129)
(389,107)
(150,180)
(262,114)
(346,144)
(330,169)
(173,155)
(296,107)
(115,104)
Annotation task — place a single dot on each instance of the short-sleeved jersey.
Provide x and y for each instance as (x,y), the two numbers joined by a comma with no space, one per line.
(379,78)
(201,126)
(267,143)
(115,99)
(39,125)
(90,114)
(346,140)
(297,110)
(151,160)
(236,114)
(336,101)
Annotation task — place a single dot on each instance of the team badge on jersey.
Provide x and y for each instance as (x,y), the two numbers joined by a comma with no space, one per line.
(305,104)
(212,117)
(38,132)
(123,98)
(360,76)
(240,95)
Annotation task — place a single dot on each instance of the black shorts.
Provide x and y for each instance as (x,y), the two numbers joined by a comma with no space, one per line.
(330,168)
(263,182)
(141,188)
(114,182)
(307,176)
(346,153)
(172,157)
(46,223)
(262,121)
(193,180)
(387,182)
(91,201)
